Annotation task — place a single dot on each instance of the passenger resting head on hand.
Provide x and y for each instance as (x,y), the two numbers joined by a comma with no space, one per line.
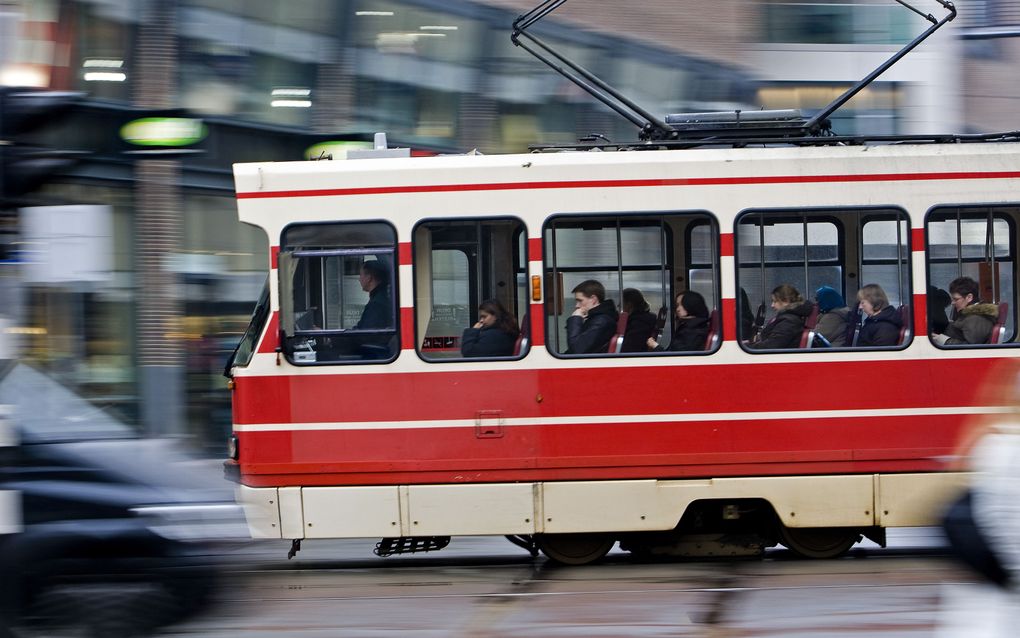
(492,314)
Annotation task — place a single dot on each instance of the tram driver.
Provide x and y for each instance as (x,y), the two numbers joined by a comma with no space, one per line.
(593,322)
(376,315)
(375,280)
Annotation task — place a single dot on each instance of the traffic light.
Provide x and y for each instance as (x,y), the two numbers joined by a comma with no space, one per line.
(25,166)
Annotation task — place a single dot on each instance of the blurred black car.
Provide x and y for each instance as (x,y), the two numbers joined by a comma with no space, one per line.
(100,532)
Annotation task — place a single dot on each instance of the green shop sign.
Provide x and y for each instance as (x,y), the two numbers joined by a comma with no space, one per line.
(163,131)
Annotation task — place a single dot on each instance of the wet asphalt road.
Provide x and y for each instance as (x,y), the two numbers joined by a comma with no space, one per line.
(480,587)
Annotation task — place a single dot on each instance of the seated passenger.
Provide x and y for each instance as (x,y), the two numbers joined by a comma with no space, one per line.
(748,325)
(785,328)
(691,327)
(640,321)
(593,322)
(881,324)
(973,321)
(938,301)
(833,315)
(494,335)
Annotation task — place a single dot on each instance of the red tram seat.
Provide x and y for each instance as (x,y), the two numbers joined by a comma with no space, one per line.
(616,343)
(807,336)
(521,345)
(712,338)
(999,329)
(905,326)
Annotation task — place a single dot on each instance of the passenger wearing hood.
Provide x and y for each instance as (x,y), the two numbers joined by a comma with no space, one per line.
(832,316)
(593,321)
(974,320)
(882,322)
(785,328)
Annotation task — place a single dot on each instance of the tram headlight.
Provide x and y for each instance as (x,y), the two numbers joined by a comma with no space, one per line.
(232,447)
(208,522)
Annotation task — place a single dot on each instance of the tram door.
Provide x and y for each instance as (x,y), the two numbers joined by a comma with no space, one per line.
(458,265)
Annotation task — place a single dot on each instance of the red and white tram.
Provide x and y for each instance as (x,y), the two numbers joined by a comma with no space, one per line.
(813,445)
(344,429)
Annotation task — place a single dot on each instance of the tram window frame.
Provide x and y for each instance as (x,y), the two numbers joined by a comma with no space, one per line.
(847,272)
(517,281)
(558,303)
(326,240)
(1007,213)
(905,282)
(247,346)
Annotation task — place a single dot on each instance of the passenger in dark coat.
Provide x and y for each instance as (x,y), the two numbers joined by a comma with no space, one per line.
(640,321)
(691,328)
(938,301)
(493,335)
(882,322)
(593,322)
(784,330)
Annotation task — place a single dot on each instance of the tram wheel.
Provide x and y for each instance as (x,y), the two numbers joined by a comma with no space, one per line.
(818,542)
(575,549)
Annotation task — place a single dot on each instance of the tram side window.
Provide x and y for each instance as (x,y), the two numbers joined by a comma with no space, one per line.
(338,293)
(471,291)
(971,274)
(800,273)
(656,256)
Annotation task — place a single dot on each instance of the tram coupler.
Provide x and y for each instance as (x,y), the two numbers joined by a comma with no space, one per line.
(295,547)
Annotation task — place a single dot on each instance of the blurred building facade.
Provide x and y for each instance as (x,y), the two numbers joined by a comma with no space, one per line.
(270,79)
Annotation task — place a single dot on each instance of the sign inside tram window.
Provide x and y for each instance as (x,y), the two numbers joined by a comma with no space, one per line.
(334,149)
(164,132)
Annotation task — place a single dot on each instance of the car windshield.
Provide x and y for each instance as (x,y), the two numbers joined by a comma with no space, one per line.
(43,411)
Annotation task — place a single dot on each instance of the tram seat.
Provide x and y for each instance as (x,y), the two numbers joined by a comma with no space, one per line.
(521,344)
(712,338)
(999,329)
(660,323)
(905,326)
(616,342)
(807,336)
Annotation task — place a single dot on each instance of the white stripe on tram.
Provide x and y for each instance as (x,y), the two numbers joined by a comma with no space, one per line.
(624,418)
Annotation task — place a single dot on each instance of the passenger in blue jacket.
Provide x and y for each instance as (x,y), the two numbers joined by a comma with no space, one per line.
(494,334)
(593,322)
